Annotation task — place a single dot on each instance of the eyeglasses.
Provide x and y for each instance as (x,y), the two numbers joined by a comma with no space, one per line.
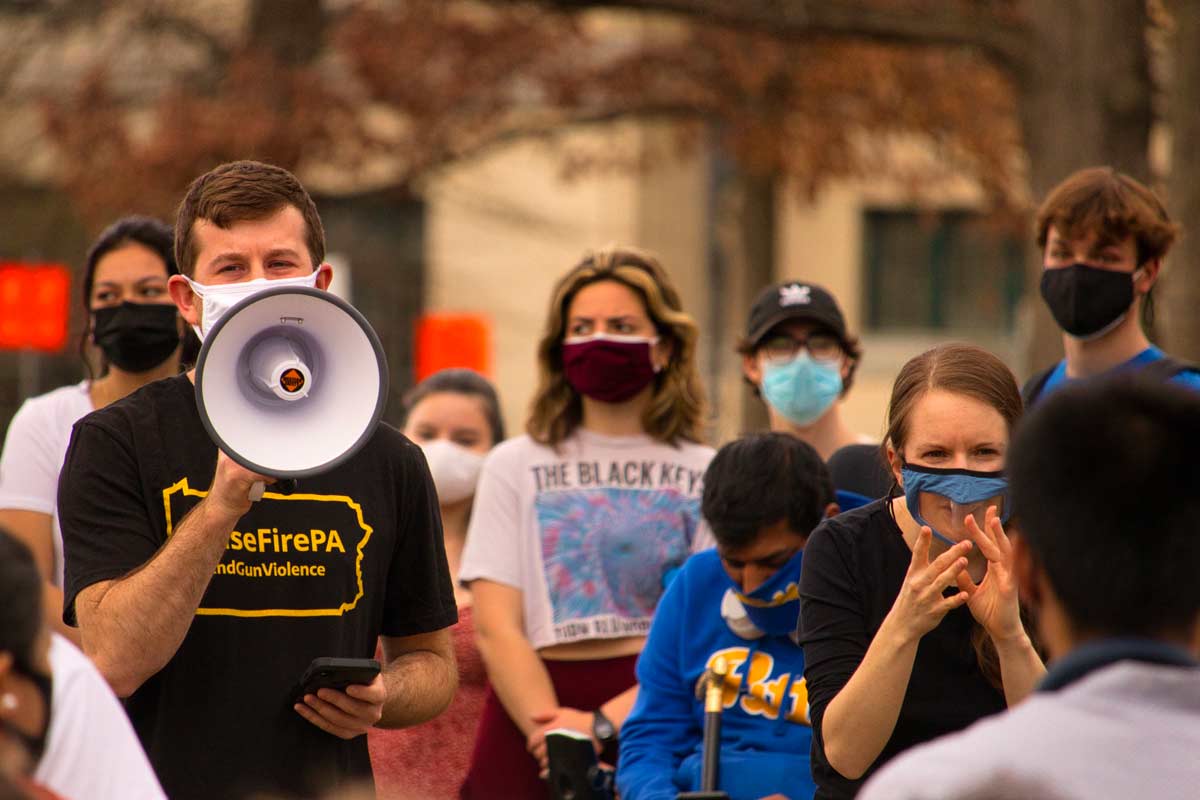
(820,347)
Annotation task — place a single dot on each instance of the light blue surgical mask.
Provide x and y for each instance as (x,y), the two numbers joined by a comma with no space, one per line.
(774,607)
(802,389)
(952,495)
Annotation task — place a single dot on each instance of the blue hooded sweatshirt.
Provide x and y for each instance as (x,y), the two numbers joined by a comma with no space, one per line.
(764,748)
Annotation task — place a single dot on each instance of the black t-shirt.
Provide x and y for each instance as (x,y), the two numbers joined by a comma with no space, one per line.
(854,566)
(350,555)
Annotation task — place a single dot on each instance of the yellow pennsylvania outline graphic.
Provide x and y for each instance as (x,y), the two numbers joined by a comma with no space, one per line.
(183,488)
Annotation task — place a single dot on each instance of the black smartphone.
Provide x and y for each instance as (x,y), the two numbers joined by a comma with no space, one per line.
(575,773)
(335,673)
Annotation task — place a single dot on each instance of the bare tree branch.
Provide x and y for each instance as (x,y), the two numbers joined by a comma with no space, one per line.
(1005,38)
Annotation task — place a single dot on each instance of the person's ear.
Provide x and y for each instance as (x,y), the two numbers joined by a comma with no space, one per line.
(832,510)
(751,368)
(897,464)
(186,300)
(660,354)
(1149,275)
(1025,570)
(847,365)
(324,276)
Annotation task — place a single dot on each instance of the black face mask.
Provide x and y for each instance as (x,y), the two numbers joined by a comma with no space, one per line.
(137,336)
(35,745)
(1087,301)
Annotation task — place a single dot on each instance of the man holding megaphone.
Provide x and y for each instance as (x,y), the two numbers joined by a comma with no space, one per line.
(204,599)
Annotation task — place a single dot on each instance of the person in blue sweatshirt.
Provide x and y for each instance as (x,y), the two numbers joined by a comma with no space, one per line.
(763,495)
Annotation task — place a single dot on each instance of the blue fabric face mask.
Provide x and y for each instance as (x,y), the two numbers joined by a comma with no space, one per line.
(802,389)
(944,498)
(774,607)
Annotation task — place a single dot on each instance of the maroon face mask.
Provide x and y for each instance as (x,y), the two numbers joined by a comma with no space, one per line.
(610,369)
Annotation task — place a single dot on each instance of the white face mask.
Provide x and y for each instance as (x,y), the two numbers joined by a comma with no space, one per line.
(216,299)
(455,470)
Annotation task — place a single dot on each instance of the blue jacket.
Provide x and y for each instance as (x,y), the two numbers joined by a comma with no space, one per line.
(762,750)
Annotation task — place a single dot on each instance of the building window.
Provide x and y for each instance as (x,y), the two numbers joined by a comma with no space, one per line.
(944,270)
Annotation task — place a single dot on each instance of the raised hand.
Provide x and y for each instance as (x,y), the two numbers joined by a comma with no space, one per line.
(993,602)
(920,606)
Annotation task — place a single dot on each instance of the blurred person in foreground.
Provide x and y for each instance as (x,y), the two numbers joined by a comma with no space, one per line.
(76,740)
(763,495)
(203,608)
(1103,237)
(138,331)
(454,415)
(1106,482)
(579,524)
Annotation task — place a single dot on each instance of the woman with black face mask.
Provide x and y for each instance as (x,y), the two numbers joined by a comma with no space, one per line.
(135,328)
(578,525)
(1103,238)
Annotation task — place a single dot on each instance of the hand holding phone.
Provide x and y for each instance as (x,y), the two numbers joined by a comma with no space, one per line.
(344,714)
(335,673)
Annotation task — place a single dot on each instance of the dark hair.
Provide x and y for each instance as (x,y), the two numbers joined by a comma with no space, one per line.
(460,381)
(1106,481)
(243,191)
(760,479)
(958,368)
(20,600)
(150,233)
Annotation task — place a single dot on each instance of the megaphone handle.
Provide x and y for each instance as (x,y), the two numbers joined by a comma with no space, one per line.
(256,491)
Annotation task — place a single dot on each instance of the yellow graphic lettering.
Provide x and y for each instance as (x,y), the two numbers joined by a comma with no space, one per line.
(764,695)
(267,540)
(760,692)
(335,541)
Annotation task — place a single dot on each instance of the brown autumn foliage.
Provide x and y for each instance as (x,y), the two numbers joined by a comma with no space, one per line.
(455,77)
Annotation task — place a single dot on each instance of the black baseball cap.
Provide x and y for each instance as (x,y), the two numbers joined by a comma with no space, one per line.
(793,300)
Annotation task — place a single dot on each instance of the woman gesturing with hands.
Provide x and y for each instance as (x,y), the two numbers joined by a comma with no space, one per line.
(909,614)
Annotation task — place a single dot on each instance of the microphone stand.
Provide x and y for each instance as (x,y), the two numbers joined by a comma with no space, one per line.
(713,686)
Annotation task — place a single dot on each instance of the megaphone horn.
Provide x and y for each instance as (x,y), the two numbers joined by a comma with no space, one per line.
(291,382)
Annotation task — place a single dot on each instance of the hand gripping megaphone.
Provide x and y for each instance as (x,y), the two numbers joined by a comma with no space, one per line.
(291,382)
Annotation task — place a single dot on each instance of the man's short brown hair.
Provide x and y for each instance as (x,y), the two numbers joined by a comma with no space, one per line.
(1113,205)
(243,191)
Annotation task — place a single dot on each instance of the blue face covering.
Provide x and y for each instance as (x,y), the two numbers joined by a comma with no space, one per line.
(962,487)
(774,607)
(802,389)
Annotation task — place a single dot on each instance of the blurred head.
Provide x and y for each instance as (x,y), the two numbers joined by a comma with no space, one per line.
(798,322)
(454,415)
(1106,481)
(951,414)
(1094,229)
(131,317)
(621,301)
(24,649)
(763,495)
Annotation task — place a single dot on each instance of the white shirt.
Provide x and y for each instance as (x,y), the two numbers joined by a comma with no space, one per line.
(34,450)
(1129,730)
(588,533)
(92,752)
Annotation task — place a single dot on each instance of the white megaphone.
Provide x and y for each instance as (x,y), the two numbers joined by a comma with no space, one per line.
(291,382)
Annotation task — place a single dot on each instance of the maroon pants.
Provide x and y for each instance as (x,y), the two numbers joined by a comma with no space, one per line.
(501,767)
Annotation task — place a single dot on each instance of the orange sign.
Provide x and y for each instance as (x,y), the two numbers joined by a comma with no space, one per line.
(35,302)
(452,340)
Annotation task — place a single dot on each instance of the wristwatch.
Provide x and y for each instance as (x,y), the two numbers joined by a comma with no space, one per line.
(603,730)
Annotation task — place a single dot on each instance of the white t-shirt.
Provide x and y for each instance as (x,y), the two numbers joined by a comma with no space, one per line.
(588,534)
(91,751)
(34,449)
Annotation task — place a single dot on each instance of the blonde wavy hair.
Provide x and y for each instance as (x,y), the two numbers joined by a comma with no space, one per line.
(676,409)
